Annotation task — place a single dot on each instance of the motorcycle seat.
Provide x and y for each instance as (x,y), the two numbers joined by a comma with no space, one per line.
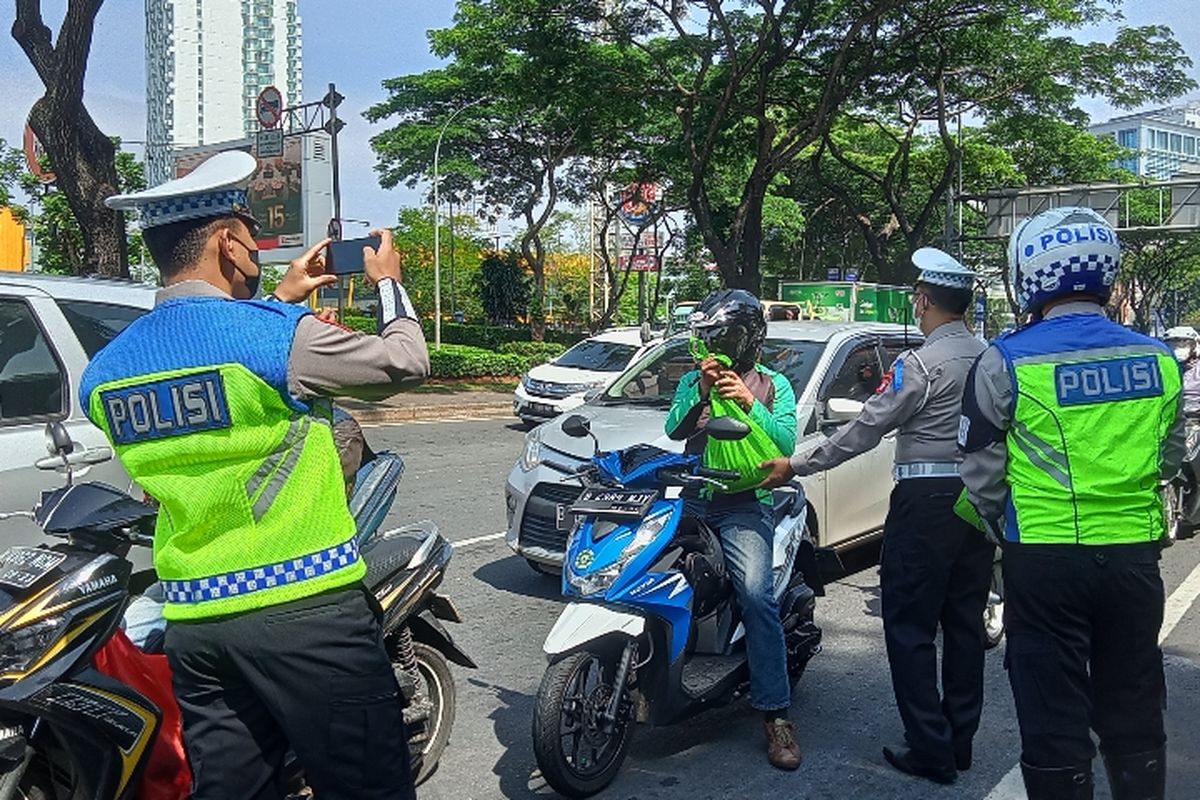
(385,555)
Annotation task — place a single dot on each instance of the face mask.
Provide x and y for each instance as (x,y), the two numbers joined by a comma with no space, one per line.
(1183,354)
(252,281)
(916,315)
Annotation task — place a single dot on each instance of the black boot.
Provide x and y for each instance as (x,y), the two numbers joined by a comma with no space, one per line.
(1138,776)
(1064,783)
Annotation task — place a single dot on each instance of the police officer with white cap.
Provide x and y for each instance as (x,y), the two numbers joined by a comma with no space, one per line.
(218,405)
(935,569)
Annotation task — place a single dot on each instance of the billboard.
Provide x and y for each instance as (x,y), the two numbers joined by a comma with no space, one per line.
(289,194)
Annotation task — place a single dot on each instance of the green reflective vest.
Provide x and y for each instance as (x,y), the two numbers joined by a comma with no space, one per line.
(1093,405)
(252,506)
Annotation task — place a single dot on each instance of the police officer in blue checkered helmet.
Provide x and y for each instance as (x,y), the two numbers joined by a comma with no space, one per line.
(1069,426)
(1063,251)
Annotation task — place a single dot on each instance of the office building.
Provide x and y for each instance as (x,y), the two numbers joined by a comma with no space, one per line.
(206,62)
(1163,143)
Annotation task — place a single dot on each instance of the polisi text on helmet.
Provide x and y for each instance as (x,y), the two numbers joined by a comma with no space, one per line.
(1071,234)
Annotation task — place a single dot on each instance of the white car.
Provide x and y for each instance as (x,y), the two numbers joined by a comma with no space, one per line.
(833,368)
(50,327)
(564,383)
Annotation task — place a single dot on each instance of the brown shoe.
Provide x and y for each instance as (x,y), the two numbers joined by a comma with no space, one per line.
(782,750)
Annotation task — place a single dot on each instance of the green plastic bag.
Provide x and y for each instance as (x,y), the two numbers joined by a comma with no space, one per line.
(742,455)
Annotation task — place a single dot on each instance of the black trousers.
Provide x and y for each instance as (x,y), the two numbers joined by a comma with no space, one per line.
(935,570)
(1082,626)
(311,674)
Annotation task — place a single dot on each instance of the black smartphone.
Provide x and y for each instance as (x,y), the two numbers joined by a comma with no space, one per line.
(346,257)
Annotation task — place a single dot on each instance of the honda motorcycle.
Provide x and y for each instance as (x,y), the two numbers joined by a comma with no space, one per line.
(68,730)
(653,632)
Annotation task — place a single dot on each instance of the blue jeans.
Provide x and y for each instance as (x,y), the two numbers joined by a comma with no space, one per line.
(747,537)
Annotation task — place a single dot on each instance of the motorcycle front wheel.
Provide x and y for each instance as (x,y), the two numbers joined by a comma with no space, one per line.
(577,757)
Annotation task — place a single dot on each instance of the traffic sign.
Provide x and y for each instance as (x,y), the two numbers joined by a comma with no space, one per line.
(269,108)
(269,143)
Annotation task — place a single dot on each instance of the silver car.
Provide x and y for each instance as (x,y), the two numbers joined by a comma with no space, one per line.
(50,327)
(833,367)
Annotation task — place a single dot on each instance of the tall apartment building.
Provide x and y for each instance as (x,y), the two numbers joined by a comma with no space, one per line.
(206,62)
(1164,142)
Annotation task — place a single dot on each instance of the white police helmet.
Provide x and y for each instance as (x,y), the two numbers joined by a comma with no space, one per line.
(1062,251)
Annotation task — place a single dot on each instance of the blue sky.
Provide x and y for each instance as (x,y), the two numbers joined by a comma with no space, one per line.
(355,44)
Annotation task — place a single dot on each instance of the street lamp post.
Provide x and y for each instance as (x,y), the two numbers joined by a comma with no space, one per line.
(437,228)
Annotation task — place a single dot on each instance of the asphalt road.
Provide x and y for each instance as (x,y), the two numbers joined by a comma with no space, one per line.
(843,706)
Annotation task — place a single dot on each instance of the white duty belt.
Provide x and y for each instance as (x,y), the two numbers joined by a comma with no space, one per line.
(925,469)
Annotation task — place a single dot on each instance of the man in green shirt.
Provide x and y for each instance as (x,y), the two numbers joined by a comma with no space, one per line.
(730,323)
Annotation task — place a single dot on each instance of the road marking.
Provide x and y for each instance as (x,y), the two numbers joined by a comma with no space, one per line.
(491,537)
(437,421)
(1011,786)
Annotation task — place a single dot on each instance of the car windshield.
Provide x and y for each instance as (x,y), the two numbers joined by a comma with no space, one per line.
(597,355)
(652,381)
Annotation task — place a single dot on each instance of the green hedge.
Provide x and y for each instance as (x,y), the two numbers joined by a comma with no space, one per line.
(360,322)
(542,351)
(462,361)
(488,337)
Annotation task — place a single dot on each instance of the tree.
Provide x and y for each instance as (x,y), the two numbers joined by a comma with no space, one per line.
(1014,68)
(534,84)
(56,230)
(12,164)
(1153,267)
(503,288)
(413,237)
(84,159)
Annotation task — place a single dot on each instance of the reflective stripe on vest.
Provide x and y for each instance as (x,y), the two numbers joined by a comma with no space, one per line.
(1085,444)
(232,584)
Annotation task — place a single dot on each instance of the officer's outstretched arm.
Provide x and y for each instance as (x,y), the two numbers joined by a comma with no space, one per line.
(887,409)
(329,360)
(982,435)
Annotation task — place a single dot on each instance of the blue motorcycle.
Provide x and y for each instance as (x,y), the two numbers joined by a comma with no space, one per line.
(653,632)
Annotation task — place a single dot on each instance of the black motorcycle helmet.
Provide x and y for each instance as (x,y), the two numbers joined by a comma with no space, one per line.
(731,322)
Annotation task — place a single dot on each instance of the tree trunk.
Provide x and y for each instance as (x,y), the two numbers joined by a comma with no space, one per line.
(82,157)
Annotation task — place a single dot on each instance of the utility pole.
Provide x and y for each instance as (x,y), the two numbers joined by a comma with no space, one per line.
(437,228)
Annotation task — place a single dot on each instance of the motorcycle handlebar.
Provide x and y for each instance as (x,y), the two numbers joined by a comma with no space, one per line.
(719,474)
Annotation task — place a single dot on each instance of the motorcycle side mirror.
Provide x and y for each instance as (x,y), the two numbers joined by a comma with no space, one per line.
(726,429)
(58,441)
(577,426)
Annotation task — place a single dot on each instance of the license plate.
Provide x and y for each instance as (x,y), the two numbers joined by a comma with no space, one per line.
(22,567)
(542,409)
(615,502)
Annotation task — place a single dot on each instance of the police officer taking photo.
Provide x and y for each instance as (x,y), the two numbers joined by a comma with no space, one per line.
(1069,425)
(935,569)
(217,405)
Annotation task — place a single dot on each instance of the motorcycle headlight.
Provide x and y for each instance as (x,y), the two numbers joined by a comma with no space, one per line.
(21,647)
(532,455)
(603,579)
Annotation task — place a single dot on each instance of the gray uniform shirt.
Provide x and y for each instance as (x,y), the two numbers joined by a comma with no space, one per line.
(984,470)
(328,360)
(922,396)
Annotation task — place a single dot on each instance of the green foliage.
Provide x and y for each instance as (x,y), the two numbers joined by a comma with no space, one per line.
(56,233)
(12,165)
(491,337)
(504,288)
(536,352)
(461,361)
(462,244)
(363,323)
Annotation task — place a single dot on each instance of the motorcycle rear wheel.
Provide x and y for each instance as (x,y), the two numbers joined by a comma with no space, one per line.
(573,692)
(438,688)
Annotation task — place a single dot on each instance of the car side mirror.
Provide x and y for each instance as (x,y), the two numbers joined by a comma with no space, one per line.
(577,426)
(842,409)
(726,428)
